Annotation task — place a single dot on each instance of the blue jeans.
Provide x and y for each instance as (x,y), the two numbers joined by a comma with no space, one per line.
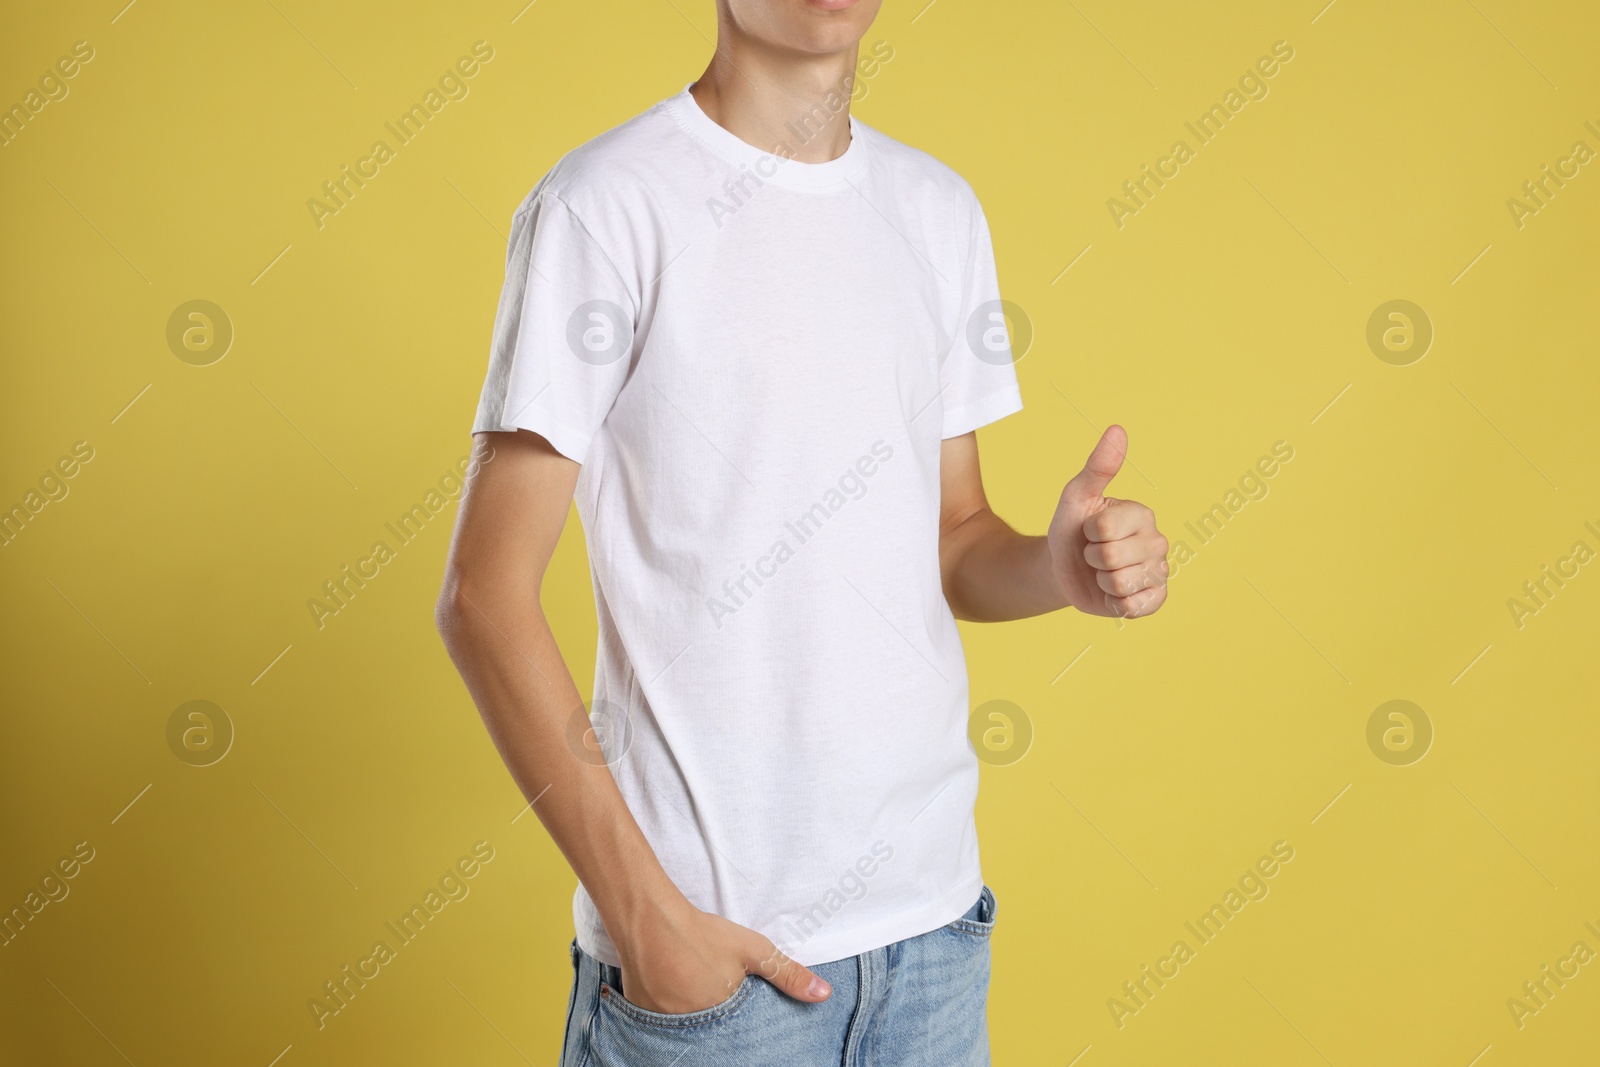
(919,1001)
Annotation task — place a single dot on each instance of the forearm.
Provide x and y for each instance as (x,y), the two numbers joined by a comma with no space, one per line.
(511,665)
(992,573)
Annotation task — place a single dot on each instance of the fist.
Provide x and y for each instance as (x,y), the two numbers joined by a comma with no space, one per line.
(1107,553)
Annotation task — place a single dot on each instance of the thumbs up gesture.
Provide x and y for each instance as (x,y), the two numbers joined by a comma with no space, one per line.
(1107,553)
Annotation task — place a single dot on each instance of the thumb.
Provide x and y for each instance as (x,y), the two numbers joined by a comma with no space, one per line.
(1101,466)
(791,978)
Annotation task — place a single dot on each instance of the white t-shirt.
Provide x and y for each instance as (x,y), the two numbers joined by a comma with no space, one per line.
(755,359)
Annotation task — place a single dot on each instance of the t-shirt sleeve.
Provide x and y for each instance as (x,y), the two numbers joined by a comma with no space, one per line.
(977,379)
(563,332)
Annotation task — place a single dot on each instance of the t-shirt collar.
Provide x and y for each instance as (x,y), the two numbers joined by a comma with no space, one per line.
(771,166)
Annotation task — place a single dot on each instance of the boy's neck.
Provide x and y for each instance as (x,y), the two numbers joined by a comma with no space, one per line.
(770,99)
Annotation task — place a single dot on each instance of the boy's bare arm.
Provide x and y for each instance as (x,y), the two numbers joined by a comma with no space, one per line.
(675,957)
(1102,555)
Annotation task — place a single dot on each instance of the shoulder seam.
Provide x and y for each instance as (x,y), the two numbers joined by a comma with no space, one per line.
(610,262)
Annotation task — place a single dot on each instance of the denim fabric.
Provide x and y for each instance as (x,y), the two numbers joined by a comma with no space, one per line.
(919,1001)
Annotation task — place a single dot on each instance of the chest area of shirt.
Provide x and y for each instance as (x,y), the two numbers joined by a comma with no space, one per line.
(840,293)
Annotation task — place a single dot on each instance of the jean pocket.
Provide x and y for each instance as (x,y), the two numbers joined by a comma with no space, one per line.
(979,919)
(677,1022)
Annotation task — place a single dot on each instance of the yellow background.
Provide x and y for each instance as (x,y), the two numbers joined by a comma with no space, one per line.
(1225,316)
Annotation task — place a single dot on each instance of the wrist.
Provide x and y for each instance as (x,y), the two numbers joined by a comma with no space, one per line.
(639,905)
(1048,574)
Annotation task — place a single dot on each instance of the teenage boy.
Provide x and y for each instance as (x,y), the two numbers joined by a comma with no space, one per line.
(754,338)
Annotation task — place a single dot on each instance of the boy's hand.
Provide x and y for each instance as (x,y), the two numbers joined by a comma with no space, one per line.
(688,960)
(1107,553)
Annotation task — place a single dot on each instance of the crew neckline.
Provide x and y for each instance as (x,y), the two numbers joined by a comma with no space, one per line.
(769,166)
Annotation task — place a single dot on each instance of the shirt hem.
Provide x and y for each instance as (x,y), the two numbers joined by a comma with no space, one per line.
(573,444)
(981,412)
(902,926)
